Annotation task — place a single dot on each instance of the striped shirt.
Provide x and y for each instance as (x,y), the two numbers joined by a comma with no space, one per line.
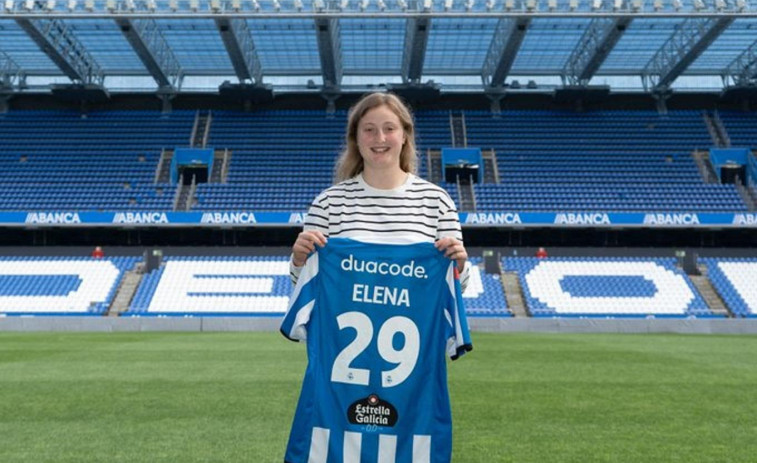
(415,212)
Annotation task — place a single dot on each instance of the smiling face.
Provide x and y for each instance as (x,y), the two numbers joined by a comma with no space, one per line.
(380,137)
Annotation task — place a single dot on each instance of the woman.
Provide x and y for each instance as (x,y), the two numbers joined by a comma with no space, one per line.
(380,310)
(378,198)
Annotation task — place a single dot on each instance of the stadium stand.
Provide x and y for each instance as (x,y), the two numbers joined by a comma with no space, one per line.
(269,146)
(599,161)
(60,285)
(258,285)
(548,160)
(106,160)
(741,127)
(606,287)
(736,281)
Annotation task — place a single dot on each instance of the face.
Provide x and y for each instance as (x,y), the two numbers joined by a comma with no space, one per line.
(380,138)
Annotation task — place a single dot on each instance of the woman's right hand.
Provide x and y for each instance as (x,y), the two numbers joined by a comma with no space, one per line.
(305,245)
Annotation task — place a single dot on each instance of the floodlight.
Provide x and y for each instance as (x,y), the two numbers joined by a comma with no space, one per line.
(637,5)
(742,5)
(427,5)
(447,5)
(89,5)
(720,4)
(194,5)
(363,5)
(29,4)
(215,5)
(699,5)
(402,4)
(531,5)
(255,5)
(152,5)
(657,5)
(596,4)
(318,5)
(9,4)
(276,5)
(552,5)
(130,5)
(381,5)
(490,5)
(71,5)
(298,5)
(509,4)
(618,4)
(677,4)
(173,4)
(343,4)
(469,4)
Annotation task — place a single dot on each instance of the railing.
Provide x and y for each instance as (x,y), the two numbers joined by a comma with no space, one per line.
(207,129)
(160,165)
(194,128)
(177,194)
(722,130)
(225,166)
(191,194)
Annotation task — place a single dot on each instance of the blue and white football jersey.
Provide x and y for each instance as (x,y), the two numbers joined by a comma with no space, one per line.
(378,320)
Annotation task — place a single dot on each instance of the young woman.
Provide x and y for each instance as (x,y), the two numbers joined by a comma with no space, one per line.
(378,198)
(379,305)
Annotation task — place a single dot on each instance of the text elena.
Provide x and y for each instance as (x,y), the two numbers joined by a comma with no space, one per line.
(384,295)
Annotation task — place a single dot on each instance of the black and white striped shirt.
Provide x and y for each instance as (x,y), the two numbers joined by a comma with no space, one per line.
(417,211)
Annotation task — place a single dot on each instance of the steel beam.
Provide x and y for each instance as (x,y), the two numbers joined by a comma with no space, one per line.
(680,50)
(595,45)
(148,42)
(503,49)
(743,69)
(10,73)
(240,46)
(329,50)
(416,40)
(61,45)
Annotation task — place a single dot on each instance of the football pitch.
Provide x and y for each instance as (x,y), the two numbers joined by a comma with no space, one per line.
(230,397)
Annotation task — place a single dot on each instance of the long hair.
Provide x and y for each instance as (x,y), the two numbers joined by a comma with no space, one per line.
(350,163)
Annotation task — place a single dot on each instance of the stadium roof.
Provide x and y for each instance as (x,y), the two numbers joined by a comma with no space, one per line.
(351,45)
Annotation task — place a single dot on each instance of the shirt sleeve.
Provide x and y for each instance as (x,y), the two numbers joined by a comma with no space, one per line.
(449,225)
(317,219)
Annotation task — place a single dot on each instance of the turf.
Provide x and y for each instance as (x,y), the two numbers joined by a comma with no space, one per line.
(229,397)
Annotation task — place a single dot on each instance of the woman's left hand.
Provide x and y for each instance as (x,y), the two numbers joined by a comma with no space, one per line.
(454,249)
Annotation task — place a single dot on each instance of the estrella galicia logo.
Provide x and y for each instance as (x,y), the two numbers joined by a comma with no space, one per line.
(372,410)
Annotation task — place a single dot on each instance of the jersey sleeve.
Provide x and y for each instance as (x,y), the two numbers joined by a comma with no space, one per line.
(302,302)
(458,341)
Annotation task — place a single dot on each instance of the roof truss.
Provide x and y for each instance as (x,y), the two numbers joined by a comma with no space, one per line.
(148,42)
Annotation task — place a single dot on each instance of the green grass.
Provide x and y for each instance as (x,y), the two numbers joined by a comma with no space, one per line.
(229,397)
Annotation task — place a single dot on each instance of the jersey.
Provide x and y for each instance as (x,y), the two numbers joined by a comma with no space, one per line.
(378,320)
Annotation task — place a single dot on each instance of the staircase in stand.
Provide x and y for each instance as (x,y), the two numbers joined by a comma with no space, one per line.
(220,169)
(434,166)
(457,129)
(163,170)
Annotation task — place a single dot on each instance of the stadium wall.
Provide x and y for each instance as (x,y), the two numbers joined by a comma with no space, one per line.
(511,325)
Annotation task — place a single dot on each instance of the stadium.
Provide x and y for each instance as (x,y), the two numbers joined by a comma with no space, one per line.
(602,155)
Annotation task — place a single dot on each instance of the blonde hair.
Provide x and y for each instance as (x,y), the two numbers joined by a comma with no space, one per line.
(350,163)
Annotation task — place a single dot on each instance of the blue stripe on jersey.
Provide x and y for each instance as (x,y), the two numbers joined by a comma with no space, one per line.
(378,320)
